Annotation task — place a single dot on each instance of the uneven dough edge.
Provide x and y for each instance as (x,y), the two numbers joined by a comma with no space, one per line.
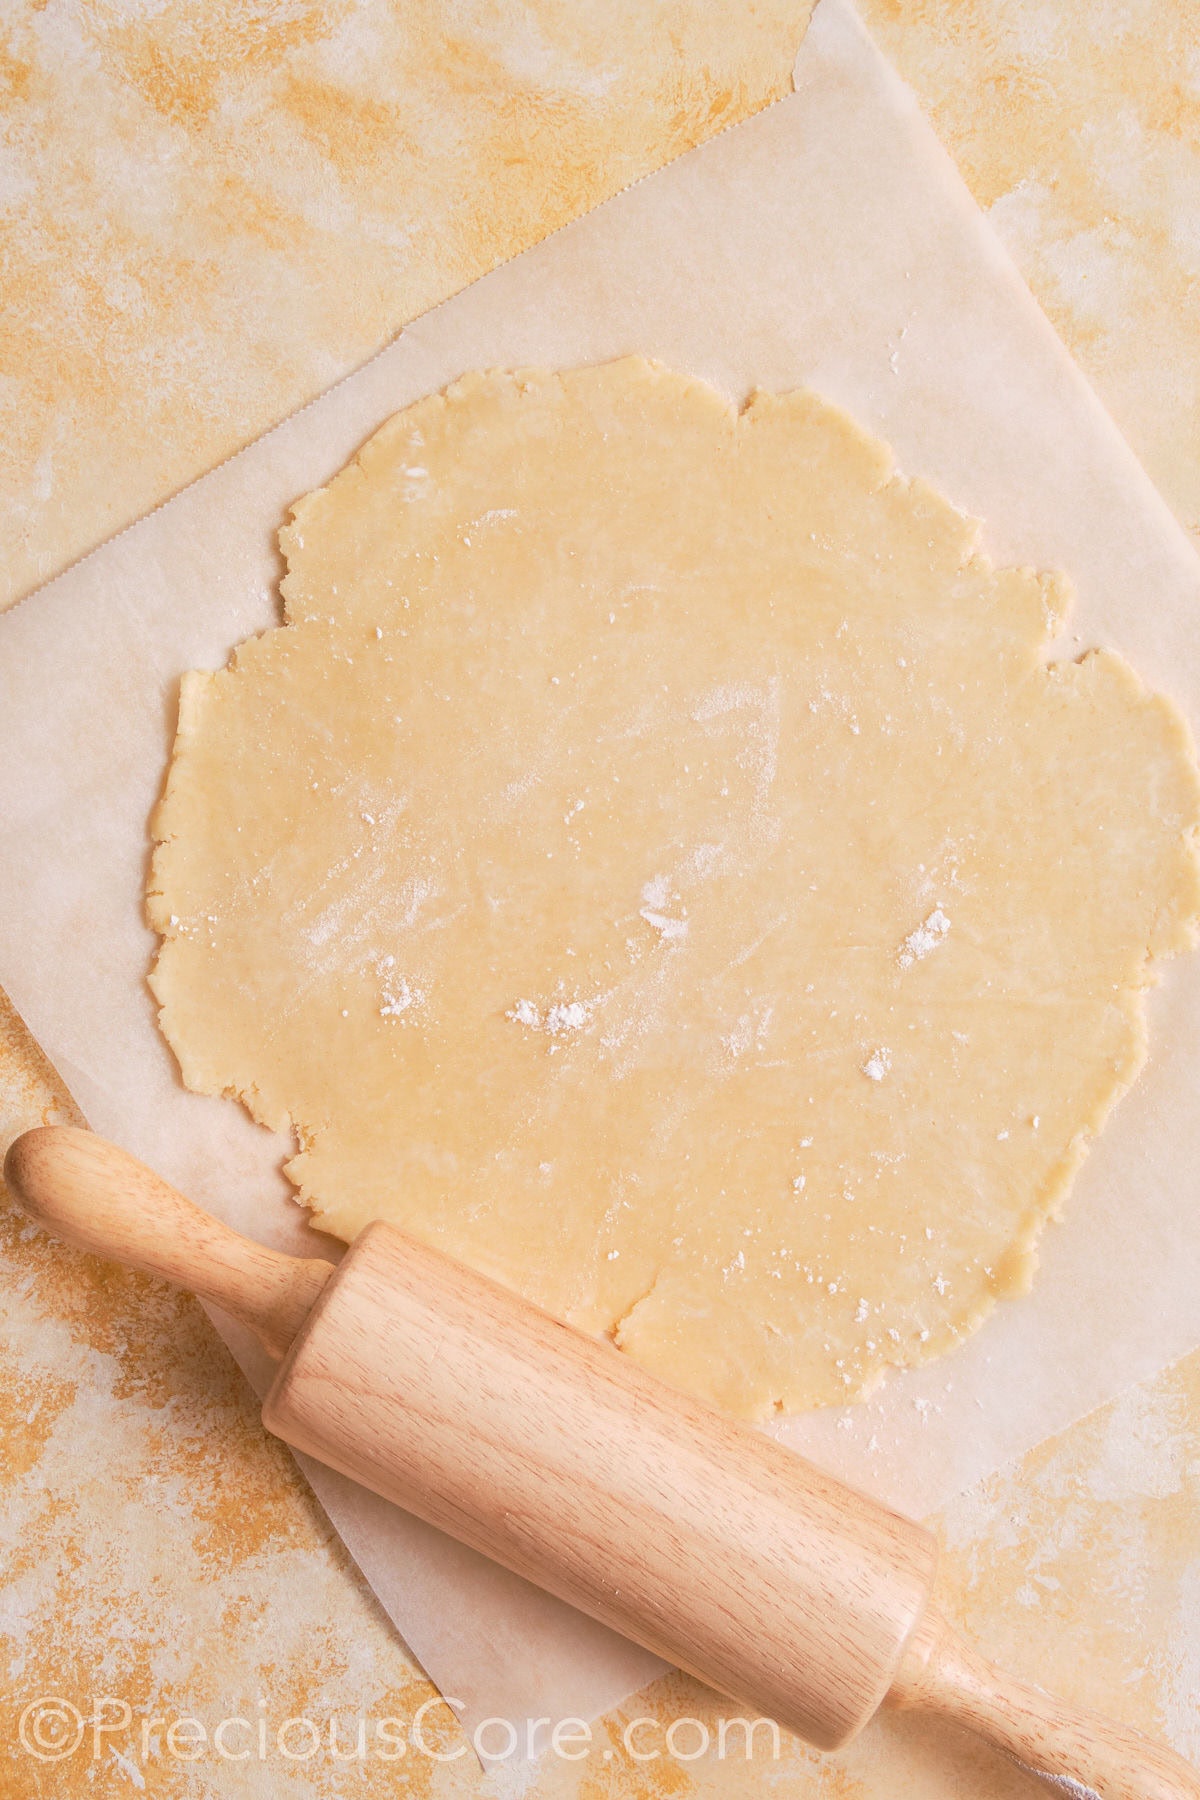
(1174,927)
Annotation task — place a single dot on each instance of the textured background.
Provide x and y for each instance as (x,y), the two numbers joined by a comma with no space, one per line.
(206,215)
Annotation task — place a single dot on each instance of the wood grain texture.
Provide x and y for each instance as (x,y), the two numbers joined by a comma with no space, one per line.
(1080,1563)
(706,1542)
(553,1454)
(542,1448)
(102,1200)
(942,1674)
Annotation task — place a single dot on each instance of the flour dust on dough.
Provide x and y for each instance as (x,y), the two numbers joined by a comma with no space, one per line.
(658,862)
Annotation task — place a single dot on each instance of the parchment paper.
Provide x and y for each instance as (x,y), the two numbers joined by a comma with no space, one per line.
(826,241)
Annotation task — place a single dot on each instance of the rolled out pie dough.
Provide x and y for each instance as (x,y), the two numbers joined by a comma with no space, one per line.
(659,863)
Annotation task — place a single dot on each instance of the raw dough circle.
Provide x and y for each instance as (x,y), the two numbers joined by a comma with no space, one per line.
(658,863)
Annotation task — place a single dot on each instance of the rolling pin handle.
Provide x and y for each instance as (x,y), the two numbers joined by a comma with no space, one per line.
(429,1461)
(1074,1749)
(103,1200)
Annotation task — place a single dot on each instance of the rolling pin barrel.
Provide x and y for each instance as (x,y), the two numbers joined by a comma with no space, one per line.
(555,1455)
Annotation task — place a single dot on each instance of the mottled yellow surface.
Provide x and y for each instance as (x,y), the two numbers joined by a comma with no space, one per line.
(1077,129)
(159,1548)
(209,213)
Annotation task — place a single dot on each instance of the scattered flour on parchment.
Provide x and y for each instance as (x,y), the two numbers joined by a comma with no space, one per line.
(926,937)
(563,1016)
(656,895)
(877,1064)
(399,998)
(668,929)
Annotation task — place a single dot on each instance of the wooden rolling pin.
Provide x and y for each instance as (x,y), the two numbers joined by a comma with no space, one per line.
(555,1455)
